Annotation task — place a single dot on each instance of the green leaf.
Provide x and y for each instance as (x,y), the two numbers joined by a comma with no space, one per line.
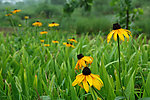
(147,87)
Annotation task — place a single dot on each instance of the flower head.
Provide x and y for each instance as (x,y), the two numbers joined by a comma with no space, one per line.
(15,11)
(43,32)
(8,15)
(64,43)
(72,40)
(53,24)
(71,45)
(87,78)
(83,61)
(46,45)
(42,41)
(37,23)
(26,17)
(117,30)
(55,41)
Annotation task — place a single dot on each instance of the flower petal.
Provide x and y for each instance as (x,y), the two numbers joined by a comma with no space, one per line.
(121,35)
(125,34)
(115,35)
(78,79)
(85,85)
(88,60)
(89,79)
(110,35)
(97,77)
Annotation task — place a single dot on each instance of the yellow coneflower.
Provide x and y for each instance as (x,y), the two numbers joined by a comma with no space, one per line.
(53,24)
(15,11)
(37,23)
(68,44)
(72,40)
(46,45)
(42,41)
(26,17)
(83,61)
(117,30)
(87,78)
(43,32)
(8,15)
(55,41)
(71,45)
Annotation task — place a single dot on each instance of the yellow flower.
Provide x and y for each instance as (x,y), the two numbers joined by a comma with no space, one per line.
(53,24)
(83,61)
(26,17)
(42,41)
(15,11)
(46,45)
(37,23)
(55,41)
(72,40)
(8,15)
(71,45)
(87,78)
(64,43)
(43,32)
(117,30)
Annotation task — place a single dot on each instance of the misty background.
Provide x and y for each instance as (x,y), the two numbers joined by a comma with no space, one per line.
(98,20)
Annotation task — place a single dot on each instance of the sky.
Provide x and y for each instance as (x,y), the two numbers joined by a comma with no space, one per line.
(11,1)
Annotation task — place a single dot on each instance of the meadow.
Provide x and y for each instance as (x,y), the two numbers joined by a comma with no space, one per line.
(31,69)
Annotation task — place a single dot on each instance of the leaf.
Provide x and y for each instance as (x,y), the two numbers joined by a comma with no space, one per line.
(147,87)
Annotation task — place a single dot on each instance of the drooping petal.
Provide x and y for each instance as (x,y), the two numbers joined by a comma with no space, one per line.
(97,77)
(88,60)
(89,79)
(96,83)
(125,34)
(110,35)
(121,35)
(129,32)
(115,35)
(82,62)
(76,67)
(78,80)
(85,85)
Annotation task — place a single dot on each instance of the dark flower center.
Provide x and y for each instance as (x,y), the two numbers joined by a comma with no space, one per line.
(116,26)
(37,21)
(67,43)
(80,56)
(71,43)
(53,22)
(15,9)
(73,38)
(86,71)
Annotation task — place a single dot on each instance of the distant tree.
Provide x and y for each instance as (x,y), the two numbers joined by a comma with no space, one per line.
(71,5)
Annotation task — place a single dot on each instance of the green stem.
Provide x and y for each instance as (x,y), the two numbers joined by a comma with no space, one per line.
(98,93)
(120,67)
(12,23)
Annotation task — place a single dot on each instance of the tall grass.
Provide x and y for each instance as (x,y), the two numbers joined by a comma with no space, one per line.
(28,70)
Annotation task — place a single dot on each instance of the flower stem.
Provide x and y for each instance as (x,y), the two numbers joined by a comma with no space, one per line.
(98,93)
(120,67)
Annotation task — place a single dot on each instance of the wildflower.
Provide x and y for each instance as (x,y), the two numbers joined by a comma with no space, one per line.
(83,61)
(72,40)
(71,45)
(8,15)
(87,78)
(15,11)
(37,23)
(53,24)
(43,32)
(64,43)
(55,41)
(46,45)
(68,45)
(117,30)
(26,17)
(42,41)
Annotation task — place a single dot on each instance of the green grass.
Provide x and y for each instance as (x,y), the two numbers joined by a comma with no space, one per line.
(30,71)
